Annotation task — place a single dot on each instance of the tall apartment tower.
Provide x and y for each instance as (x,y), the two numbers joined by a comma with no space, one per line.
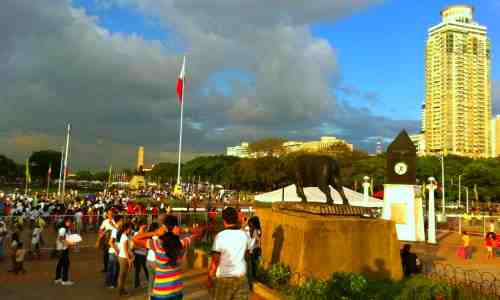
(140,158)
(495,136)
(458,85)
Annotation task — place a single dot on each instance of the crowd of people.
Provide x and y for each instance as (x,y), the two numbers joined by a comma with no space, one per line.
(131,237)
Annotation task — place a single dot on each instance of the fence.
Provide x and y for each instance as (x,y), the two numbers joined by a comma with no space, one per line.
(471,280)
(89,225)
(473,224)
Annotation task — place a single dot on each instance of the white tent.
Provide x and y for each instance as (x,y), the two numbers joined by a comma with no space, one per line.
(314,194)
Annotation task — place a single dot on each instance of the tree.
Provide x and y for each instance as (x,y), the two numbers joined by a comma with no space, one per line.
(84,175)
(40,162)
(164,171)
(268,146)
(9,170)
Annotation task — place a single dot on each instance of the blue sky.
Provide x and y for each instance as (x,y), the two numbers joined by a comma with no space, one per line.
(260,68)
(379,50)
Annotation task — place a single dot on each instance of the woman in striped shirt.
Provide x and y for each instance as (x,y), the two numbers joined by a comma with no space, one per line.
(169,250)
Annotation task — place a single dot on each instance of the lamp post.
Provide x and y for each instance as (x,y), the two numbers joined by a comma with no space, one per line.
(431,229)
(459,190)
(366,188)
(442,183)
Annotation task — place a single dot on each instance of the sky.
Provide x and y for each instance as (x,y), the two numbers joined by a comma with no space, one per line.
(286,68)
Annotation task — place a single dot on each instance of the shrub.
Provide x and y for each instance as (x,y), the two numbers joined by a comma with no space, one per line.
(311,289)
(278,275)
(347,286)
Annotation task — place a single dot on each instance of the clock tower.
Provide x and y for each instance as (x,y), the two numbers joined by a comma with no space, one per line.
(401,165)
(402,197)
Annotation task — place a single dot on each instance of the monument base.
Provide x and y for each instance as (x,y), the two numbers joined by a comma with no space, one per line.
(317,246)
(137,182)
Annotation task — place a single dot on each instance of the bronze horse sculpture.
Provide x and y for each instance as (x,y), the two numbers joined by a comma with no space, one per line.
(319,171)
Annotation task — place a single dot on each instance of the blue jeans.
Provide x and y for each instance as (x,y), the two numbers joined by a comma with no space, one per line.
(112,272)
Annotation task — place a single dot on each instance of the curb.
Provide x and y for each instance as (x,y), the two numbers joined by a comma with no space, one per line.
(265,292)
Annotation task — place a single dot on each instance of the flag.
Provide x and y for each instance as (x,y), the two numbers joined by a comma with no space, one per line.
(49,172)
(28,176)
(180,80)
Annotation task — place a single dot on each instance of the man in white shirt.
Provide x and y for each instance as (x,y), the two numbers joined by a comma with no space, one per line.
(62,247)
(105,230)
(113,251)
(228,267)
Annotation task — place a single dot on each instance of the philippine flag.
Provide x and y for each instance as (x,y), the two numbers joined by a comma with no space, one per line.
(180,80)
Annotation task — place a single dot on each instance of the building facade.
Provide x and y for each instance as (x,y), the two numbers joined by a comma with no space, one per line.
(458,85)
(323,144)
(419,142)
(238,151)
(495,136)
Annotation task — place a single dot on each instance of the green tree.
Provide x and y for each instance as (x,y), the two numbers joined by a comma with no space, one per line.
(9,170)
(40,162)
(84,175)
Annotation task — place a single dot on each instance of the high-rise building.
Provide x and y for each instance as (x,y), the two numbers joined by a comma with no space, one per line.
(422,130)
(419,142)
(458,85)
(140,158)
(495,136)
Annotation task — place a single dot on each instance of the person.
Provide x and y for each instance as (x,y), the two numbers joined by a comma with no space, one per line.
(151,259)
(466,245)
(104,235)
(113,251)
(490,244)
(14,243)
(410,262)
(491,228)
(62,247)
(20,253)
(35,241)
(255,232)
(3,235)
(169,250)
(140,257)
(125,257)
(228,268)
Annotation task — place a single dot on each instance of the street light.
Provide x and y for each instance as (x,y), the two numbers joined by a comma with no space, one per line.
(431,229)
(459,189)
(442,183)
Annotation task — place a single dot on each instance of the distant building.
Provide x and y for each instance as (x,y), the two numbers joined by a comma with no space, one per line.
(238,151)
(422,130)
(495,136)
(458,85)
(419,142)
(325,143)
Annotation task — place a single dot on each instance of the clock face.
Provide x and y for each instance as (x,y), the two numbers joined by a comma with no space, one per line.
(401,168)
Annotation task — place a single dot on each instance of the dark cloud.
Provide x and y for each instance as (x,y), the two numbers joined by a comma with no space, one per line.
(58,65)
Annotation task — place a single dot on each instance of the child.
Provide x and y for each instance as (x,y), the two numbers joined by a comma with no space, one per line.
(20,252)
(490,244)
(35,241)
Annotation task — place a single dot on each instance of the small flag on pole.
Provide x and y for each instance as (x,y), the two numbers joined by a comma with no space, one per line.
(27,173)
(180,80)
(49,172)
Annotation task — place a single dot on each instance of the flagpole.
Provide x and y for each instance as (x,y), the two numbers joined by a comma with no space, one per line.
(28,177)
(61,165)
(181,125)
(66,161)
(48,179)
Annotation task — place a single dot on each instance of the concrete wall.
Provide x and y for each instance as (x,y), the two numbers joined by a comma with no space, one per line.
(318,246)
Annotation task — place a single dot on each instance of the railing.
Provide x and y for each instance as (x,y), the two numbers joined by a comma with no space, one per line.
(474,281)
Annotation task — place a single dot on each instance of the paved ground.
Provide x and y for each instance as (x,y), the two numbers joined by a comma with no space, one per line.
(445,252)
(37,283)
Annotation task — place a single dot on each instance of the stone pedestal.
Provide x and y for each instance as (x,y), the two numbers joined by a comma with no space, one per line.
(137,182)
(403,205)
(318,246)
